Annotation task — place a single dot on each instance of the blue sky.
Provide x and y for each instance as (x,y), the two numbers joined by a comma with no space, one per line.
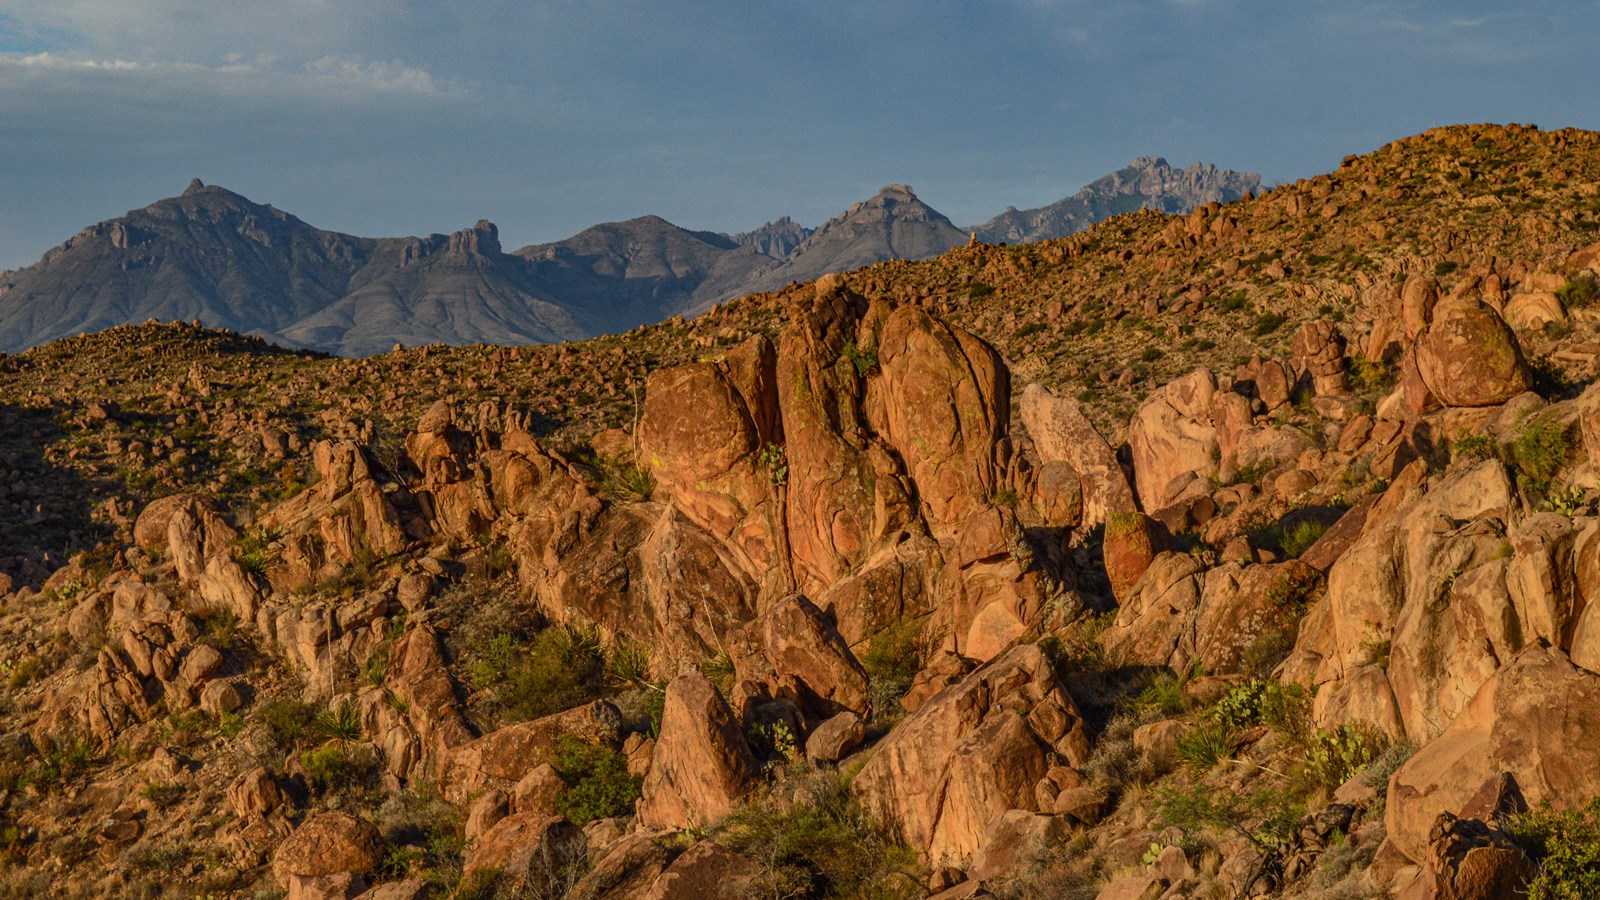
(387,117)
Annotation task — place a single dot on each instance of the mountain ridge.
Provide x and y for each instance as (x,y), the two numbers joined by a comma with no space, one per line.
(215,256)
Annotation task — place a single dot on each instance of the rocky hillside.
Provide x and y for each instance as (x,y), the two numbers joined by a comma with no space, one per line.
(214,257)
(1240,553)
(1146,183)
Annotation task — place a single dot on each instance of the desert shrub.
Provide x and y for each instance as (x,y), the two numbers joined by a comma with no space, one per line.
(892,660)
(1268,322)
(1265,817)
(1566,846)
(1299,537)
(1202,748)
(1370,378)
(426,838)
(775,459)
(336,765)
(1162,697)
(255,552)
(1259,702)
(628,663)
(720,671)
(560,668)
(1476,446)
(1580,290)
(864,358)
(599,785)
(1114,760)
(289,721)
(341,722)
(1334,757)
(629,481)
(811,838)
(1541,448)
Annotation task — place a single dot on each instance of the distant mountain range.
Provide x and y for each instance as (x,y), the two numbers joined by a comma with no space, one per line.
(214,256)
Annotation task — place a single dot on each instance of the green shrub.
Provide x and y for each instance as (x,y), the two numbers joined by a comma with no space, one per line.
(289,722)
(1370,378)
(1580,290)
(775,459)
(630,481)
(1566,846)
(812,839)
(1334,757)
(1162,696)
(599,785)
(1268,322)
(1299,537)
(1266,817)
(1283,707)
(865,359)
(340,723)
(892,660)
(334,766)
(628,663)
(719,670)
(1541,448)
(560,668)
(1203,748)
(1473,447)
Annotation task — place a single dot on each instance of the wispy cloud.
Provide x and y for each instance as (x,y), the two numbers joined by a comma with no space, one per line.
(266,72)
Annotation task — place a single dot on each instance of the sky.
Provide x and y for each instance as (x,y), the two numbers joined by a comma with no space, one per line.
(395,117)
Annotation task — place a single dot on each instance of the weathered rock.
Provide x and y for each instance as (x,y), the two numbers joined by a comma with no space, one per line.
(1318,349)
(627,871)
(531,852)
(705,430)
(150,529)
(502,758)
(1171,436)
(1537,719)
(342,886)
(254,794)
(1417,300)
(327,844)
(1013,839)
(1131,543)
(1062,434)
(830,741)
(811,660)
(701,765)
(1469,357)
(1467,860)
(707,871)
(972,752)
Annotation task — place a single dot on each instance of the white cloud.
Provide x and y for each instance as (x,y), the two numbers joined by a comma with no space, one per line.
(383,76)
(350,75)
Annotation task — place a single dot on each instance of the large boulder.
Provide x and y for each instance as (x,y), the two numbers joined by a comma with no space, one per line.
(1468,356)
(811,661)
(1063,434)
(1537,719)
(975,750)
(701,765)
(1132,541)
(533,854)
(1172,439)
(710,433)
(1420,612)
(326,844)
(150,529)
(502,758)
